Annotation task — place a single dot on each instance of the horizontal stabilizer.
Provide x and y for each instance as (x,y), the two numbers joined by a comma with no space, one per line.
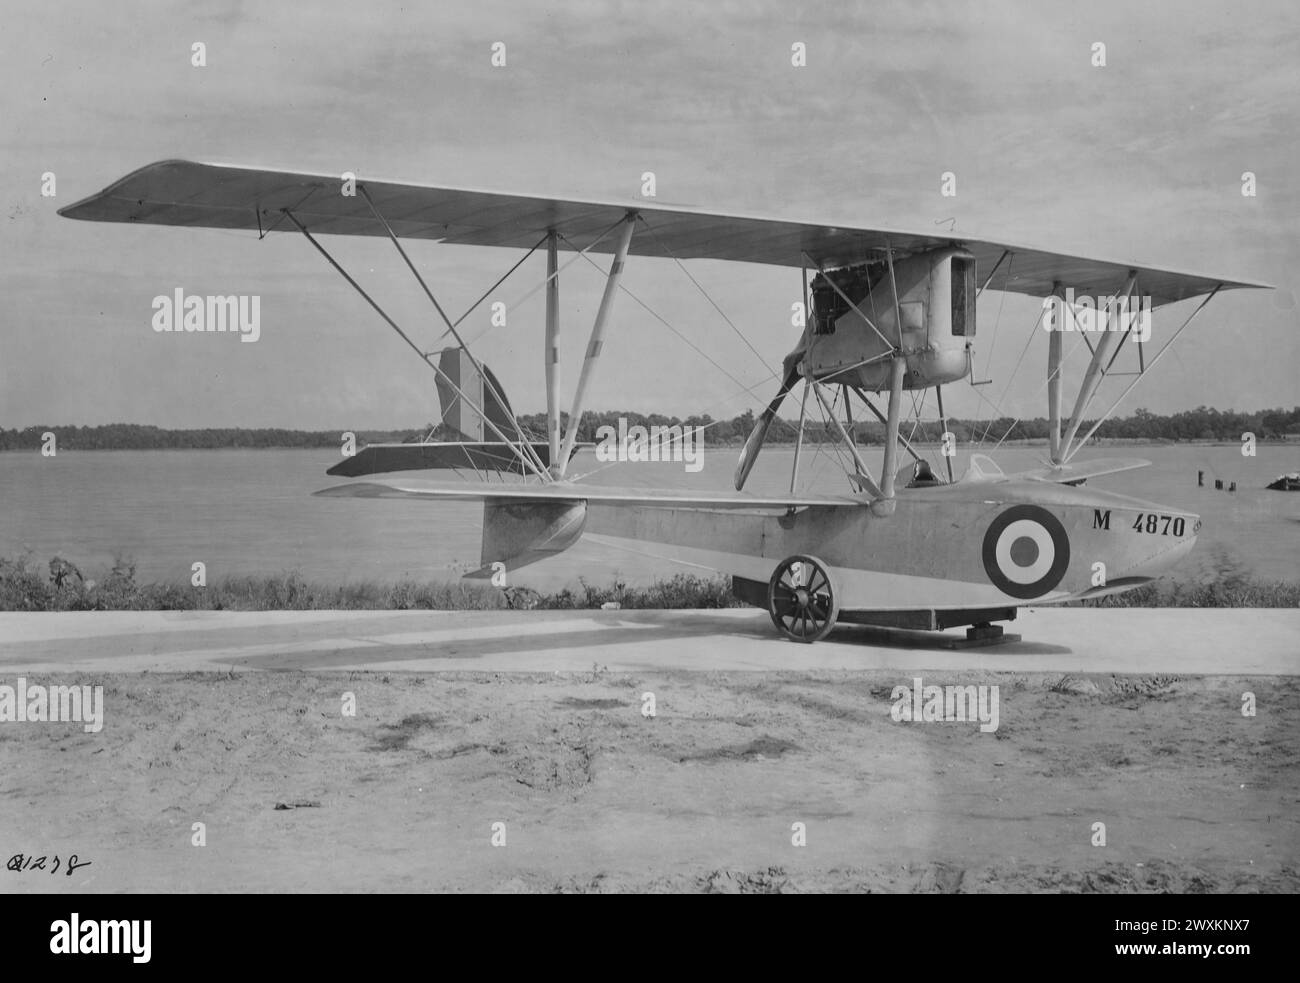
(379,458)
(1071,474)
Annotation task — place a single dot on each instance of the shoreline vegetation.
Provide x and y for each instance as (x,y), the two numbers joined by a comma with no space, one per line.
(1202,424)
(24,586)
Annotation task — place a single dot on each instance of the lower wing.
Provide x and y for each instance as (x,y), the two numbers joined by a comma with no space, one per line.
(1071,474)
(569,492)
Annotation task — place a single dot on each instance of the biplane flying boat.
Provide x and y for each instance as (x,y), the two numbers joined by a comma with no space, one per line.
(888,313)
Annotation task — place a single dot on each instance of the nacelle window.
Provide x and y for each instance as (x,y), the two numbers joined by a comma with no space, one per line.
(963,296)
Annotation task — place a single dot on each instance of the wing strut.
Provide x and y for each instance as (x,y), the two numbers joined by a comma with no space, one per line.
(893,289)
(1164,348)
(1093,376)
(526,459)
(899,367)
(597,337)
(1054,342)
(552,354)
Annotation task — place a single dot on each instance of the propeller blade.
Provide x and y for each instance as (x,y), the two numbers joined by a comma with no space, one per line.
(754,443)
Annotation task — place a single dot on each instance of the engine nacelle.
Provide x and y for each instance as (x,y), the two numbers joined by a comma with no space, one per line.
(936,303)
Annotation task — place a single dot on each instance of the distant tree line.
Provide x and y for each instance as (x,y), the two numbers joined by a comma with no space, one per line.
(134,436)
(1202,423)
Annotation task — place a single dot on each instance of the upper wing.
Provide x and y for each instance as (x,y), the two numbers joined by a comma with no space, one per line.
(567,492)
(220,196)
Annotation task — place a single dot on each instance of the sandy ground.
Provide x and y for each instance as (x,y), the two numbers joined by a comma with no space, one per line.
(703,797)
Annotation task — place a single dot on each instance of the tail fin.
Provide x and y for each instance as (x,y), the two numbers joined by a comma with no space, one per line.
(468,442)
(480,390)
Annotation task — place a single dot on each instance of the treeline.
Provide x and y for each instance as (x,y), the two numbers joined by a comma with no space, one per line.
(1202,423)
(134,436)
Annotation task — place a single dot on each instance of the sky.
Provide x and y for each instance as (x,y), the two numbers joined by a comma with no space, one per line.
(1138,161)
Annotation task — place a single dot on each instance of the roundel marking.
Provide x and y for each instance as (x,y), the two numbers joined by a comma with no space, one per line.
(1026,551)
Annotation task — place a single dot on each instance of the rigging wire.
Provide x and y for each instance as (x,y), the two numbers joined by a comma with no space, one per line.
(1164,348)
(997,323)
(655,235)
(1060,372)
(474,306)
(524,458)
(744,390)
(997,407)
(547,279)
(820,455)
(703,427)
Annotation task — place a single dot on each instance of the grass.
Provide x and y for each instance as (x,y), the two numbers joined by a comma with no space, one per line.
(24,587)
(1228,593)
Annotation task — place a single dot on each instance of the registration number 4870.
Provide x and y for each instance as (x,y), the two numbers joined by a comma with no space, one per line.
(1159,525)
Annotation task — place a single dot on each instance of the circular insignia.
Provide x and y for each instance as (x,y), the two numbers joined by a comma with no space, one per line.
(1026,551)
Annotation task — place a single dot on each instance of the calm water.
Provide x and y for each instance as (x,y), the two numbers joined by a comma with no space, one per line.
(251,512)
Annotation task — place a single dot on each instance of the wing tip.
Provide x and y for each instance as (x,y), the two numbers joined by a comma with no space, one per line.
(83,204)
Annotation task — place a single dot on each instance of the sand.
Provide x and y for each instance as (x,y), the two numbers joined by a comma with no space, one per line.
(703,797)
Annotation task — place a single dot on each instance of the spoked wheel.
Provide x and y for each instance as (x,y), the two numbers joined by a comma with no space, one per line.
(801,599)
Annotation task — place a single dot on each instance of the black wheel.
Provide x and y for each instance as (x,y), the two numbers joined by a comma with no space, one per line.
(801,599)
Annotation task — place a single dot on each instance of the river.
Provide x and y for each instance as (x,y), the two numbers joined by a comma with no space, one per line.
(251,511)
